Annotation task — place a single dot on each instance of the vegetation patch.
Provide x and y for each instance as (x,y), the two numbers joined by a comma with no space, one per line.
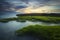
(7,19)
(50,19)
(44,32)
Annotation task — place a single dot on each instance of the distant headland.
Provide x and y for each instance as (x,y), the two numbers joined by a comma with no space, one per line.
(39,14)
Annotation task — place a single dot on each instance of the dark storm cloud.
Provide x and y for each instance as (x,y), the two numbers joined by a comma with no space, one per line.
(41,0)
(1,1)
(8,5)
(18,4)
(4,5)
(41,3)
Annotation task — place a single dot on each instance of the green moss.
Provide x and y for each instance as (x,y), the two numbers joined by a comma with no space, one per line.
(45,32)
(41,18)
(34,18)
(7,19)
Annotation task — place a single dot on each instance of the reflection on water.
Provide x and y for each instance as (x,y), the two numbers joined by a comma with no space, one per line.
(7,14)
(7,30)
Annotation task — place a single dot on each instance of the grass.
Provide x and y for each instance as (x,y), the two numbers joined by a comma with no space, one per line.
(44,32)
(11,19)
(49,19)
(41,18)
(7,19)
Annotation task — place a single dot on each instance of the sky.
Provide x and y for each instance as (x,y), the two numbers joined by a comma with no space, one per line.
(32,6)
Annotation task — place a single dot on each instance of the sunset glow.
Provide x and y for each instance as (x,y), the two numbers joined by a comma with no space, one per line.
(37,7)
(44,9)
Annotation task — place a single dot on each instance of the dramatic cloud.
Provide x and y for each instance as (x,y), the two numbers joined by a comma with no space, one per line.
(41,6)
(38,6)
(5,6)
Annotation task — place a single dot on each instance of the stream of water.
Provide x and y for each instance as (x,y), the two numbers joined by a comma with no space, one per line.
(7,30)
